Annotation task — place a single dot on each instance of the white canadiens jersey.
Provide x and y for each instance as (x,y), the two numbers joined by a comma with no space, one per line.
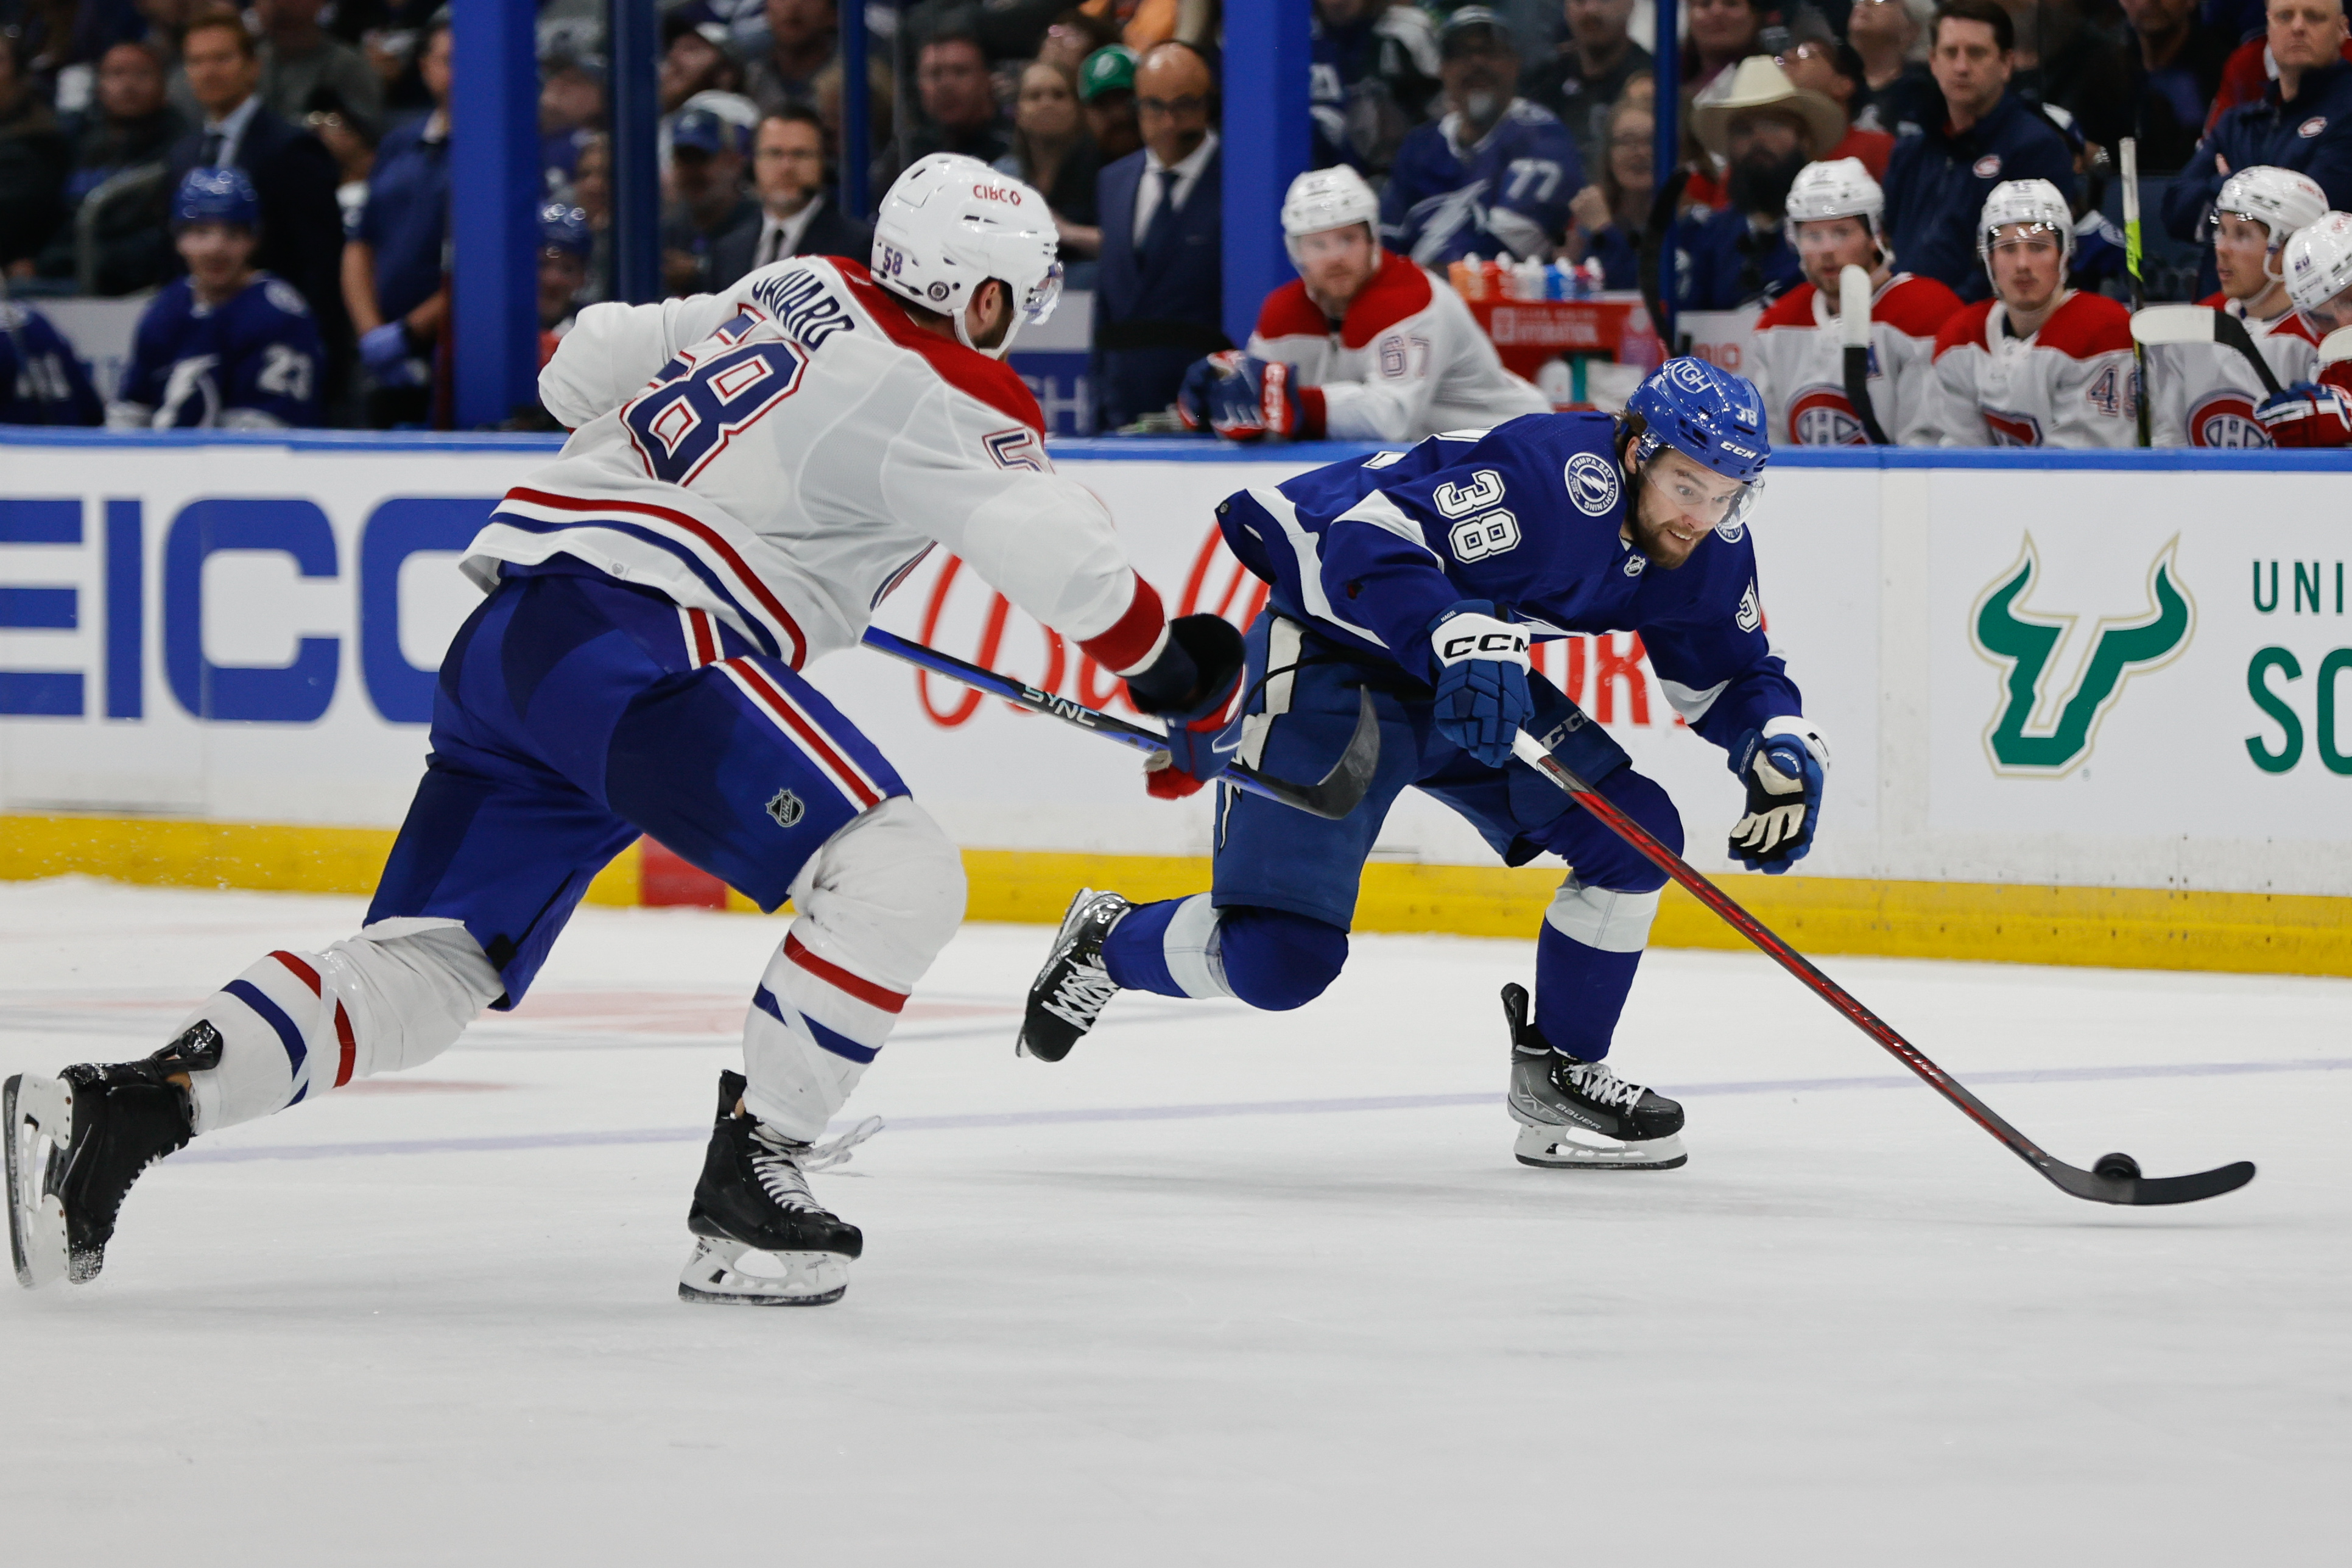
(2203,394)
(1799,365)
(783,453)
(1406,362)
(2069,384)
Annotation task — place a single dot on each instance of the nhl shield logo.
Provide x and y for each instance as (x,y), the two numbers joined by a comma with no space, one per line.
(1591,481)
(787,809)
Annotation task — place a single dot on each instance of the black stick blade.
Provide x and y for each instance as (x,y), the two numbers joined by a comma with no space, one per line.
(2145,1191)
(1342,789)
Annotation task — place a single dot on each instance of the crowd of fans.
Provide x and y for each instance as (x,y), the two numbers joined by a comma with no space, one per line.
(1518,130)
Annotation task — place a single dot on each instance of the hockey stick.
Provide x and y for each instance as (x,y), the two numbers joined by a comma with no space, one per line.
(2203,324)
(1653,247)
(2337,346)
(2115,1179)
(2129,147)
(1853,327)
(1338,794)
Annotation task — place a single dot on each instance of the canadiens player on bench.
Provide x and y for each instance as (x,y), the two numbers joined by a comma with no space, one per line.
(2038,364)
(2204,394)
(749,473)
(2318,412)
(1420,576)
(1363,345)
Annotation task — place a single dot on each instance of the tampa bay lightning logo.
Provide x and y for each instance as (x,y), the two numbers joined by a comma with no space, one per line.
(1593,485)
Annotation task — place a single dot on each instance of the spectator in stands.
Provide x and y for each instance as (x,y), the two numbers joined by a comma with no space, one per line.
(33,157)
(2038,364)
(2173,68)
(2249,71)
(1052,153)
(693,59)
(133,126)
(1495,176)
(299,57)
(706,172)
(2205,394)
(1764,128)
(301,226)
(1937,181)
(351,142)
(1834,71)
(571,113)
(591,192)
(1361,345)
(391,267)
(1716,35)
(1107,91)
(1159,296)
(1374,73)
(1899,97)
(565,243)
(959,103)
(42,379)
(227,346)
(797,217)
(2303,122)
(1073,36)
(1583,81)
(392,54)
(803,36)
(1611,212)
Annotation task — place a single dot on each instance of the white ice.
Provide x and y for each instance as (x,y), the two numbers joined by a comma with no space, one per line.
(1221,1288)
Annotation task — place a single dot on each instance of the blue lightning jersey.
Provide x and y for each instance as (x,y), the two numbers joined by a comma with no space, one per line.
(42,379)
(1509,192)
(1371,550)
(251,363)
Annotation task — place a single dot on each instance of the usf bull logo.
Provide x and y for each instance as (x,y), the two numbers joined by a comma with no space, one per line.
(2033,733)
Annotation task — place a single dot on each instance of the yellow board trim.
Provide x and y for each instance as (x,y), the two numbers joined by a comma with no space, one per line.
(2117,927)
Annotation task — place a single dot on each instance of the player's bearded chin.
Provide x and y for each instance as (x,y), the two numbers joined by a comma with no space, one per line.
(1649,532)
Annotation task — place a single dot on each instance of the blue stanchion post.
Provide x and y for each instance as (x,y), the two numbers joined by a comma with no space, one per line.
(633,50)
(1668,70)
(856,113)
(494,190)
(1265,146)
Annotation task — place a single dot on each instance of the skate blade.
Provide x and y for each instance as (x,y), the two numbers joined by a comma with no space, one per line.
(38,1114)
(806,1280)
(1569,1148)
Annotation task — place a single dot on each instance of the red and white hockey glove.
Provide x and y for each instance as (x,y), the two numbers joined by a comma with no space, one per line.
(1257,397)
(2306,414)
(1195,687)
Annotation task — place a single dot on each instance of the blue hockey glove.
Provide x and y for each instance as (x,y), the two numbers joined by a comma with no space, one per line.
(384,351)
(1195,687)
(1482,680)
(1255,397)
(1784,766)
(1193,396)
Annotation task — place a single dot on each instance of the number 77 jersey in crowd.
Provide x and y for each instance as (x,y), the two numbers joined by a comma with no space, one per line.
(783,453)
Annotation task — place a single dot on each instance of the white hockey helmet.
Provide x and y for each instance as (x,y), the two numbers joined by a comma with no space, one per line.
(1324,199)
(2281,200)
(949,224)
(2034,202)
(1841,188)
(2318,261)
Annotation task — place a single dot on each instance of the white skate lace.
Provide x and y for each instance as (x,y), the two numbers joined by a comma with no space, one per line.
(1596,1083)
(1083,994)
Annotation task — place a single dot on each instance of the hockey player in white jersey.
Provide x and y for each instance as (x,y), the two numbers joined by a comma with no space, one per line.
(1363,345)
(2204,394)
(2038,364)
(1836,220)
(750,474)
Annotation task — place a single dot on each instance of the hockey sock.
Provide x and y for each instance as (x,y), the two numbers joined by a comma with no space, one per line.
(1590,948)
(1171,948)
(297,1025)
(1270,958)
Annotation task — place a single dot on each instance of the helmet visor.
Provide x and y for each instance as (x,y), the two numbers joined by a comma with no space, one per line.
(1043,295)
(1698,492)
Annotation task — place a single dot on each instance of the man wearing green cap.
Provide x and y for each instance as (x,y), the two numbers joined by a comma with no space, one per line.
(1106,88)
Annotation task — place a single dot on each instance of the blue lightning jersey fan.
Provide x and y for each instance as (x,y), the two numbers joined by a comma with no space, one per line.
(42,381)
(251,363)
(1507,192)
(1526,516)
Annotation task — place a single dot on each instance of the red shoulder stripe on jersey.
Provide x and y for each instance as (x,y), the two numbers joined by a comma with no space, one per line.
(841,979)
(1794,308)
(1916,306)
(2215,300)
(2293,325)
(2086,324)
(969,371)
(1397,291)
(1288,312)
(1962,327)
(1132,637)
(700,530)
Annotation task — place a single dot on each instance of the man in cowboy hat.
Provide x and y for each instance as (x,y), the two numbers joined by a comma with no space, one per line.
(1762,128)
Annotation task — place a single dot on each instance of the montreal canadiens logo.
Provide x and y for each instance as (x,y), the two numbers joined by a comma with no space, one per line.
(2226,419)
(1821,416)
(1987,166)
(2312,127)
(1591,481)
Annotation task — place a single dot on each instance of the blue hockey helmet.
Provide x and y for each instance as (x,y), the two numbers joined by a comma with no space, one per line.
(216,196)
(564,227)
(1709,415)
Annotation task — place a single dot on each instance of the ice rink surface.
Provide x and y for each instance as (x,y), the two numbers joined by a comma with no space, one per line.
(1221,1288)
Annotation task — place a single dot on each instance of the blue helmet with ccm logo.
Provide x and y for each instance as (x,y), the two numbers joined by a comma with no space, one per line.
(1709,415)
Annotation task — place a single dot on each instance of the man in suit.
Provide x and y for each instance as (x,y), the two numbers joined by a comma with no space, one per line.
(1160,294)
(796,217)
(295,175)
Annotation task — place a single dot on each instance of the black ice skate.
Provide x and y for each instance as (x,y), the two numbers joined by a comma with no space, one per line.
(1071,991)
(754,1198)
(77,1141)
(1574,1113)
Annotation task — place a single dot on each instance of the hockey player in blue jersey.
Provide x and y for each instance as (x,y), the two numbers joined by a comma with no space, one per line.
(42,379)
(1496,174)
(227,346)
(1420,577)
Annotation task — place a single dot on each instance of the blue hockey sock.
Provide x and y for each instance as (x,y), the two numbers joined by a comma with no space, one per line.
(1270,958)
(1136,951)
(1580,991)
